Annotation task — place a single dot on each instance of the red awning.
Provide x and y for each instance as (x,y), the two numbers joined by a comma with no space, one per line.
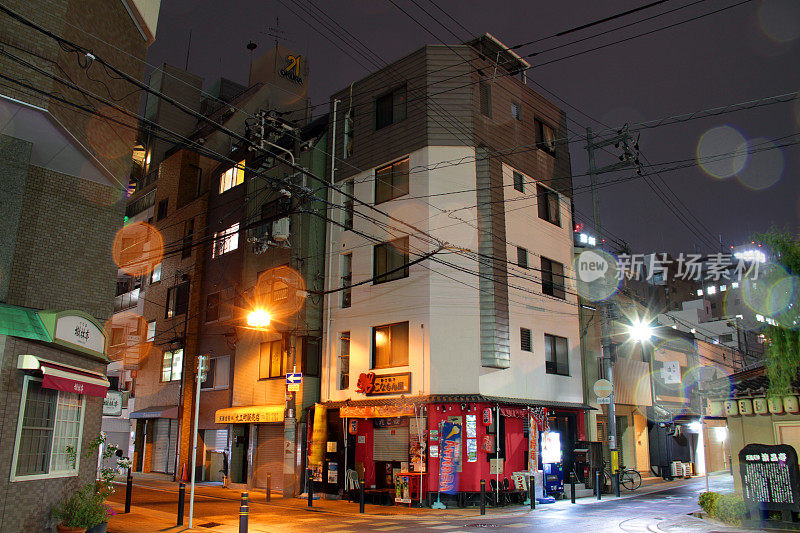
(73,380)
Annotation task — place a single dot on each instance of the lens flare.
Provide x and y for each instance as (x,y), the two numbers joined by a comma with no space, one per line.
(127,338)
(720,153)
(764,166)
(780,20)
(772,292)
(280,291)
(138,248)
(596,274)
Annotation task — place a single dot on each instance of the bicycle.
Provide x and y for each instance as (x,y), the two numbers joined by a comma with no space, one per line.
(628,477)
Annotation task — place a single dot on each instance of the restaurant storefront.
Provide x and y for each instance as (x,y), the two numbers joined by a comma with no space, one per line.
(396,445)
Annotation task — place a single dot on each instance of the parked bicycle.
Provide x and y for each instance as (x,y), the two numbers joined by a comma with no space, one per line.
(628,477)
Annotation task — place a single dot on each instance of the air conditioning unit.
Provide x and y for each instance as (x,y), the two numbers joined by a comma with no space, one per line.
(280,230)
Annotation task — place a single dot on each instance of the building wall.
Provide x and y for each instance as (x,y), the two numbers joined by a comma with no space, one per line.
(37,497)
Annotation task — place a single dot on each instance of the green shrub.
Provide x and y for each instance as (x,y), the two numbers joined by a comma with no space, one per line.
(730,509)
(84,508)
(708,502)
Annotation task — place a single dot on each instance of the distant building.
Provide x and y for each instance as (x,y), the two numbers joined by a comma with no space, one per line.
(63,174)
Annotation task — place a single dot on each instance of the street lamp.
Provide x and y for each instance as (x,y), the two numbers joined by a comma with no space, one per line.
(258,318)
(640,331)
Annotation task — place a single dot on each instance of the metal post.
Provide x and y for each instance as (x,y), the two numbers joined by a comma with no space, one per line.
(532,491)
(128,490)
(310,487)
(572,486)
(244,511)
(361,496)
(181,501)
(201,361)
(597,476)
(615,481)
(483,497)
(269,487)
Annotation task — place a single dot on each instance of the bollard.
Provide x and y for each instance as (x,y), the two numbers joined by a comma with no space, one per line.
(483,497)
(361,496)
(181,501)
(310,487)
(128,489)
(572,486)
(597,476)
(532,491)
(615,481)
(269,487)
(244,510)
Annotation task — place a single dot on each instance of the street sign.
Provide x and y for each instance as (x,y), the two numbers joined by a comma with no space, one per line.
(295,378)
(602,388)
(293,387)
(604,400)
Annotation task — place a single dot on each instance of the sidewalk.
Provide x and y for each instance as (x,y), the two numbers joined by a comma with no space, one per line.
(145,518)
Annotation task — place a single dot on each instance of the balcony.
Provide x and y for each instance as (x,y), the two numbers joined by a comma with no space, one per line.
(126,300)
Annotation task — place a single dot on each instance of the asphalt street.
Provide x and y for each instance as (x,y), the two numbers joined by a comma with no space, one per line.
(666,510)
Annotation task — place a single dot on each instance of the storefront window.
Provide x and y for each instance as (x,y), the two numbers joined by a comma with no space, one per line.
(51,421)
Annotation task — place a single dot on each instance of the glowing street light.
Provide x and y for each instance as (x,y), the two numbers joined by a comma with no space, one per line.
(258,318)
(640,331)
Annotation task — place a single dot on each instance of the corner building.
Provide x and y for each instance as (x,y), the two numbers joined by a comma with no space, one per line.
(452,147)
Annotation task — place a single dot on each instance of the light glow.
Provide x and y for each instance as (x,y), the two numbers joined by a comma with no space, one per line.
(751,255)
(258,318)
(640,331)
(711,290)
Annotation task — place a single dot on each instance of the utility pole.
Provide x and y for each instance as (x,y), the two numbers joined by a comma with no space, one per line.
(202,369)
(626,160)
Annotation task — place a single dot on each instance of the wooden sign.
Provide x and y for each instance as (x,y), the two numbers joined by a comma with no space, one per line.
(372,384)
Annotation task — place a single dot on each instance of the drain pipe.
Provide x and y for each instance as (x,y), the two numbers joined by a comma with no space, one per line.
(329,270)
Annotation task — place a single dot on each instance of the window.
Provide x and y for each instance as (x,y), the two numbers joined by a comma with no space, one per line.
(348,205)
(347,145)
(50,421)
(232,177)
(226,241)
(525,339)
(485,96)
(699,292)
(549,207)
(172,365)
(212,307)
(519,182)
(346,279)
(553,278)
(522,257)
(726,337)
(390,108)
(218,374)
(155,276)
(344,360)
(390,345)
(516,110)
(545,137)
(177,300)
(117,336)
(151,331)
(391,181)
(162,209)
(311,356)
(188,232)
(273,360)
(390,261)
(555,355)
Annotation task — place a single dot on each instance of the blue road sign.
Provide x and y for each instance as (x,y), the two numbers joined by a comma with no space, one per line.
(294,379)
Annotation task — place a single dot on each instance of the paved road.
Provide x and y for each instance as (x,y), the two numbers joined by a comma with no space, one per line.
(665,511)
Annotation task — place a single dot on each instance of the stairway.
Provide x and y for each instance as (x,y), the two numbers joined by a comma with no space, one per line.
(580,490)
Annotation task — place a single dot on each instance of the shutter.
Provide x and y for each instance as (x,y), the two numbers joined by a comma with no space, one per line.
(216,439)
(169,468)
(390,444)
(160,445)
(269,456)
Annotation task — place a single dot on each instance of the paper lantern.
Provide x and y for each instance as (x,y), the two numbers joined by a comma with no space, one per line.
(775,405)
(352,426)
(745,406)
(488,444)
(731,408)
(790,404)
(716,409)
(487,416)
(760,406)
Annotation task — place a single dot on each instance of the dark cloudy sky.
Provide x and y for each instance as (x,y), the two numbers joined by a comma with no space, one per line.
(744,53)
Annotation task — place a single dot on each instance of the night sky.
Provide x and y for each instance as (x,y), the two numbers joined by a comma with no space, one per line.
(744,53)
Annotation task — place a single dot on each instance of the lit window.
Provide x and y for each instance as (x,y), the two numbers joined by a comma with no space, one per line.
(226,241)
(344,360)
(735,285)
(151,331)
(273,360)
(218,373)
(711,290)
(155,277)
(699,292)
(232,177)
(51,421)
(172,365)
(390,345)
(177,300)
(723,288)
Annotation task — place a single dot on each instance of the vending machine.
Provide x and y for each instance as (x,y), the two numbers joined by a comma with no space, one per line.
(552,462)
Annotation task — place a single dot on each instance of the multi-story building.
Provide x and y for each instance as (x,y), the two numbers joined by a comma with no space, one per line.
(63,173)
(451,254)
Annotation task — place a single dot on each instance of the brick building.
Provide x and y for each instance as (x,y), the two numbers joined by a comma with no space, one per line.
(63,173)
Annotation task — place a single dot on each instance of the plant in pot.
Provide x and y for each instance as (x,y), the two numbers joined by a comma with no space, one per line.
(81,511)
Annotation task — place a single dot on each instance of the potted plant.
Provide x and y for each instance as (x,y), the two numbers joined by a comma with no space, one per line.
(81,511)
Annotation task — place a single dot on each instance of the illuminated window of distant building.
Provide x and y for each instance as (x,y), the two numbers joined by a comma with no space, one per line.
(226,241)
(232,177)
(172,365)
(390,345)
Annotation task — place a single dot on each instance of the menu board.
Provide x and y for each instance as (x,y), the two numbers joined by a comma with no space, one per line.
(770,477)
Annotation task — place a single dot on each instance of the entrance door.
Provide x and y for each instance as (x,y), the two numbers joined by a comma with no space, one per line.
(269,456)
(165,439)
(240,447)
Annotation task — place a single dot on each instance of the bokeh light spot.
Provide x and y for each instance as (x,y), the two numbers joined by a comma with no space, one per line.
(138,248)
(780,19)
(722,151)
(764,166)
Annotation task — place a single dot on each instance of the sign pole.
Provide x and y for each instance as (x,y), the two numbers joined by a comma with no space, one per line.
(438,504)
(201,362)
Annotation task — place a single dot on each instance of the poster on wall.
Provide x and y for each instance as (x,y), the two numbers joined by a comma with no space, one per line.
(472,426)
(472,450)
(316,470)
(434,435)
(533,445)
(449,460)
(434,450)
(333,472)
(417,446)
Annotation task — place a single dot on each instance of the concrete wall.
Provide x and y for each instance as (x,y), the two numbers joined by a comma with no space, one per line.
(759,429)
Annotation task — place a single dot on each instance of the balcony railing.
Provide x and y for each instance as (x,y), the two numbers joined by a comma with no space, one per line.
(126,300)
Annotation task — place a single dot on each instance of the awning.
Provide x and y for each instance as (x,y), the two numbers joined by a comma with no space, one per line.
(22,322)
(250,414)
(376,411)
(157,411)
(66,378)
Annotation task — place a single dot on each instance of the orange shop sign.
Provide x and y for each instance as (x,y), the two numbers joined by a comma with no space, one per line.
(372,384)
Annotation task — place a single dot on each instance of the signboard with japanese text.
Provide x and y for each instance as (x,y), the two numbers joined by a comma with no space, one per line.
(449,458)
(770,477)
(372,384)
(472,426)
(112,403)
